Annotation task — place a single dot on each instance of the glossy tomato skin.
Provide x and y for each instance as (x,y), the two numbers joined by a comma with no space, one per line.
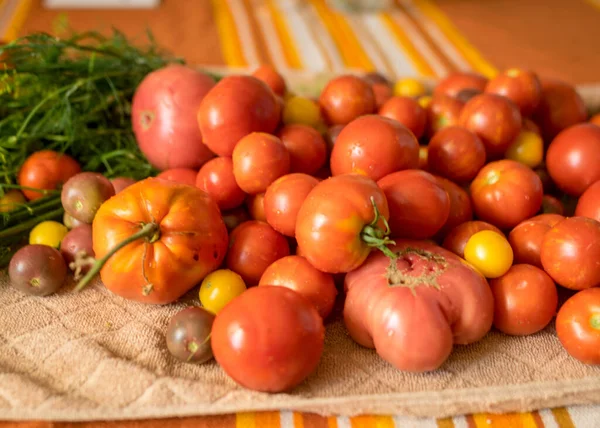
(408,112)
(253,247)
(374,146)
(578,328)
(235,107)
(332,218)
(415,309)
(461,209)
(272,78)
(46,170)
(457,238)
(180,175)
(345,98)
(589,202)
(527,237)
(418,206)
(307,148)
(456,82)
(296,273)
(164,268)
(573,158)
(506,192)
(522,87)
(456,153)
(570,253)
(525,300)
(268,339)
(442,111)
(382,92)
(216,178)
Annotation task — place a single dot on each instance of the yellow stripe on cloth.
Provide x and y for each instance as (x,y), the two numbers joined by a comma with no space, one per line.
(445,423)
(290,52)
(16,20)
(562,418)
(228,35)
(513,420)
(372,422)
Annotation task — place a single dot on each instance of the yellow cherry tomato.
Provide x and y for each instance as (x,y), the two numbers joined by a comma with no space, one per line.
(409,88)
(424,101)
(219,288)
(49,233)
(301,110)
(490,253)
(528,149)
(11,200)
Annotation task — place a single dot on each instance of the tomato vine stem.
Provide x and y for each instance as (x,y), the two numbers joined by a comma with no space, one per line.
(376,237)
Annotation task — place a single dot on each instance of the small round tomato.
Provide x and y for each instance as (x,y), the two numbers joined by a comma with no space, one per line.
(495,119)
(456,153)
(374,146)
(302,111)
(272,78)
(283,200)
(528,149)
(180,175)
(258,160)
(219,288)
(253,247)
(418,206)
(307,148)
(332,135)
(345,98)
(408,112)
(442,111)
(552,205)
(573,158)
(50,233)
(233,218)
(468,93)
(374,77)
(46,170)
(490,253)
(121,183)
(409,87)
(570,253)
(216,178)
(522,87)
(11,200)
(460,206)
(578,326)
(457,238)
(256,206)
(589,202)
(382,92)
(527,237)
(296,273)
(456,82)
(505,193)
(525,300)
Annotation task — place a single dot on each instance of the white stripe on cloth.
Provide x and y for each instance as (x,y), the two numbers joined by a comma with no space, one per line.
(242,23)
(312,19)
(271,38)
(548,418)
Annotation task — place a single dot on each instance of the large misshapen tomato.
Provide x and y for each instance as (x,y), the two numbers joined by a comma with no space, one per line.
(413,309)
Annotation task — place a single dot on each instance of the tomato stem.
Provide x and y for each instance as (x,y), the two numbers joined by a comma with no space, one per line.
(595,321)
(148,231)
(376,237)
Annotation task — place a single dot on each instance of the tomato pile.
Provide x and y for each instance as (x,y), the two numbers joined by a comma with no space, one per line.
(431,217)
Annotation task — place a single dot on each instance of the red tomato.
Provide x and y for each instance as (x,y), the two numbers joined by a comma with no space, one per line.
(272,78)
(408,112)
(256,207)
(345,98)
(460,206)
(253,247)
(442,111)
(578,326)
(547,182)
(296,273)
(595,119)
(526,238)
(341,220)
(522,87)
(531,126)
(258,160)
(46,170)
(331,136)
(570,253)
(573,158)
(233,218)
(374,146)
(121,183)
(382,93)
(413,309)
(456,153)
(234,108)
(552,205)
(268,339)
(525,300)
(180,175)
(216,178)
(283,200)
(589,203)
(457,238)
(418,206)
(307,148)
(424,158)
(456,82)
(505,193)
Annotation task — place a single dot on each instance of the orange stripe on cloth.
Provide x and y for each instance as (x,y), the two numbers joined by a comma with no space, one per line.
(16,20)
(445,423)
(290,52)
(228,34)
(372,422)
(562,417)
(258,420)
(512,420)
(261,44)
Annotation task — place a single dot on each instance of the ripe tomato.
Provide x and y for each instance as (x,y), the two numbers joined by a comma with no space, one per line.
(50,233)
(233,218)
(216,178)
(570,253)
(442,111)
(283,200)
(307,148)
(296,273)
(345,98)
(180,175)
(505,193)
(409,87)
(301,111)
(253,247)
(414,308)
(268,339)
(418,206)
(374,146)
(528,149)
(457,238)
(525,300)
(46,170)
(595,119)
(578,326)
(256,207)
(456,82)
(341,220)
(589,202)
(173,251)
(490,253)
(120,183)
(460,206)
(219,288)
(456,153)
(573,158)
(547,182)
(272,78)
(526,238)
(522,87)
(382,92)
(11,201)
(258,160)
(424,158)
(530,126)
(235,107)
(495,119)
(408,112)
(552,205)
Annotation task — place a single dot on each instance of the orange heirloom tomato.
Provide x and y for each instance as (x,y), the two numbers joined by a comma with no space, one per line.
(175,236)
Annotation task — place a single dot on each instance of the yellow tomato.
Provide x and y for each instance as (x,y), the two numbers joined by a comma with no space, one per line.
(409,88)
(49,233)
(11,200)
(424,101)
(490,253)
(528,149)
(219,288)
(301,110)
